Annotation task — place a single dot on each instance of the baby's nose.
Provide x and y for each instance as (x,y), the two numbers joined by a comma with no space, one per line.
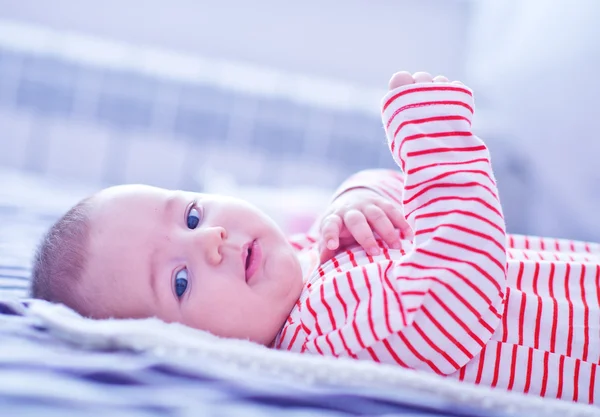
(212,242)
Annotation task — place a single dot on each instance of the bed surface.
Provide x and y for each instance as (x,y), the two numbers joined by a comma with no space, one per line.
(54,364)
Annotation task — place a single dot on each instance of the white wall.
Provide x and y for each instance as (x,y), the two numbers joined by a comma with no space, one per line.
(358,40)
(538,63)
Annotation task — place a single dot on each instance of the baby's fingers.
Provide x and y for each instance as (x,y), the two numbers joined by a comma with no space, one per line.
(357,224)
(396,216)
(330,231)
(381,223)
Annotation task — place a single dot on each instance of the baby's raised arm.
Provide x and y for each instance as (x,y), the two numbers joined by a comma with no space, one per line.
(451,202)
(437,306)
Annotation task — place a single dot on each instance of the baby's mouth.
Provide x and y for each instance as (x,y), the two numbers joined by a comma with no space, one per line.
(252,259)
(248,256)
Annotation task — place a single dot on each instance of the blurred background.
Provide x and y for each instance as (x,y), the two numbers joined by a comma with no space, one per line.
(277,102)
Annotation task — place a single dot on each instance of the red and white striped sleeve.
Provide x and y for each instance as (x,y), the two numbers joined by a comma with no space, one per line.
(385,182)
(435,307)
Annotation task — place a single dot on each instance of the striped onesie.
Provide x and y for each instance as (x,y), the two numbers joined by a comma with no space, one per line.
(460,298)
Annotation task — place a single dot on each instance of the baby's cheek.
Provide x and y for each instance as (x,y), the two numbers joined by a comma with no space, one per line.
(287,276)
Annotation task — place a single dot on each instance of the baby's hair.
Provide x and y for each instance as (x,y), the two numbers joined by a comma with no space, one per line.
(61,258)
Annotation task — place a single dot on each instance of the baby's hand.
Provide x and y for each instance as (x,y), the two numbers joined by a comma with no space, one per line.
(354,216)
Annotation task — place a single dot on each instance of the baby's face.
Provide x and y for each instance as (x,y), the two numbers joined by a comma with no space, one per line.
(211,262)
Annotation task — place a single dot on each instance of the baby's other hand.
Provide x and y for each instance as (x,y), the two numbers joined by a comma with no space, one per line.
(354,216)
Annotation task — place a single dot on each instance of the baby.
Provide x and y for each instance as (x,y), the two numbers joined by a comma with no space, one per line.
(413,269)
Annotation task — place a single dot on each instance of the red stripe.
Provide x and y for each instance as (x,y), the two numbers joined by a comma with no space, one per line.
(314,314)
(346,348)
(561,366)
(497,365)
(317,346)
(384,250)
(370,303)
(418,168)
(586,315)
(449,287)
(445,150)
(449,185)
(513,366)
(393,354)
(446,333)
(511,241)
(538,314)
(555,310)
(333,352)
(457,320)
(282,337)
(321,272)
(291,345)
(432,135)
(428,120)
(455,197)
(587,247)
(433,87)
(414,292)
(385,300)
(339,297)
(526,242)
(327,307)
(471,249)
(576,380)
(528,372)
(354,325)
(522,317)
(466,230)
(396,294)
(570,304)
(418,355)
(505,317)
(373,355)
(466,280)
(296,245)
(592,383)
(543,244)
(435,347)
(545,375)
(447,174)
(572,246)
(482,356)
(462,372)
(426,104)
(336,264)
(352,258)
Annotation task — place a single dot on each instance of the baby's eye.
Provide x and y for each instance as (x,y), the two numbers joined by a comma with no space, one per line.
(193,218)
(181,282)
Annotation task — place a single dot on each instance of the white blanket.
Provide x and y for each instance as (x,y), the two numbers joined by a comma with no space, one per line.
(158,338)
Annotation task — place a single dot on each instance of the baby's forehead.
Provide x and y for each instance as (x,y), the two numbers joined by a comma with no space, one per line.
(129,196)
(131,191)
